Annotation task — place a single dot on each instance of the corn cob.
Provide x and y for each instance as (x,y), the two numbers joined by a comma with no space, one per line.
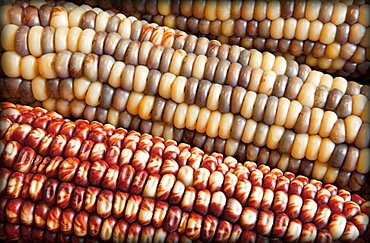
(95,75)
(88,17)
(342,107)
(235,76)
(313,31)
(157,190)
(234,71)
(330,94)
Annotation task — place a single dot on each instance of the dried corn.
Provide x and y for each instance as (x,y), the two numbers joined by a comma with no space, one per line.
(315,32)
(196,193)
(339,56)
(284,115)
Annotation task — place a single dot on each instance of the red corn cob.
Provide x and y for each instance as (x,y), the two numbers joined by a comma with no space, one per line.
(155,190)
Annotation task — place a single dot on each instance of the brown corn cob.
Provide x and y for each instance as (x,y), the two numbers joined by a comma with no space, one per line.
(105,199)
(315,31)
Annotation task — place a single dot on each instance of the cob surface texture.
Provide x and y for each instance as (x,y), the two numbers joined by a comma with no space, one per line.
(328,35)
(77,181)
(196,98)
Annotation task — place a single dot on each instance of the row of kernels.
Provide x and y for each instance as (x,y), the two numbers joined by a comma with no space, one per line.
(336,51)
(44,14)
(337,13)
(111,229)
(56,126)
(94,225)
(36,196)
(291,28)
(99,173)
(350,57)
(65,64)
(114,44)
(340,66)
(346,87)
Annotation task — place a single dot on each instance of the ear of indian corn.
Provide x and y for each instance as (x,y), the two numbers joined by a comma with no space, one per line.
(344,64)
(150,188)
(326,35)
